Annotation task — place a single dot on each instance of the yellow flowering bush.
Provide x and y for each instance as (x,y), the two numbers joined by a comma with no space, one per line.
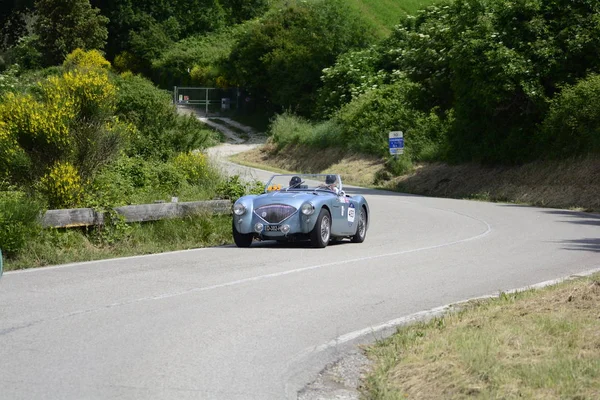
(35,126)
(91,59)
(91,93)
(194,166)
(62,186)
(8,145)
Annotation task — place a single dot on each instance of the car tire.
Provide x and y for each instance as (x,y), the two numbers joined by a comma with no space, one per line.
(361,229)
(321,233)
(241,239)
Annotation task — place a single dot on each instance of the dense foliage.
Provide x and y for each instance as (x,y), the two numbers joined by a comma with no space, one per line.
(489,68)
(81,136)
(572,126)
(67,122)
(18,220)
(140,31)
(65,25)
(195,61)
(280,58)
(160,132)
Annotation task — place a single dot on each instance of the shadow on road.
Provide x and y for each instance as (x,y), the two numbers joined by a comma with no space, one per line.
(583,244)
(576,217)
(580,218)
(304,244)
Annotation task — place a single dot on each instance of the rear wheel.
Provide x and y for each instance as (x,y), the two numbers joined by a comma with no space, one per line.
(361,229)
(241,239)
(321,233)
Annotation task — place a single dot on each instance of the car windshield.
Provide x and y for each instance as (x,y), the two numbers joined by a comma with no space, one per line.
(302,182)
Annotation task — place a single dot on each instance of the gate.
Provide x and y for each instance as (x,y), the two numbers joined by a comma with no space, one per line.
(212,101)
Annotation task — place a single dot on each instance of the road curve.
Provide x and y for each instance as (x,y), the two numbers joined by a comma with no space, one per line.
(259,323)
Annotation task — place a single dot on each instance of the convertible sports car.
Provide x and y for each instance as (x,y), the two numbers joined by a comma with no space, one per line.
(301,207)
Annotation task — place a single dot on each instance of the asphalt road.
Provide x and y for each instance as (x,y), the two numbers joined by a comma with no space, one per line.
(227,323)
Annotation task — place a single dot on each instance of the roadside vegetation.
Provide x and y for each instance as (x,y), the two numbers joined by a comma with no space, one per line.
(80,135)
(540,344)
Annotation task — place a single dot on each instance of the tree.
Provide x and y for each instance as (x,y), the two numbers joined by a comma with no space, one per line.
(65,25)
(282,56)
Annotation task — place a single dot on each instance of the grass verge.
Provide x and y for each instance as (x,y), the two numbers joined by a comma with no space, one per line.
(571,183)
(60,246)
(538,344)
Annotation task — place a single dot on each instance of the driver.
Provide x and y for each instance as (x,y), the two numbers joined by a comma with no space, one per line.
(295,182)
(330,183)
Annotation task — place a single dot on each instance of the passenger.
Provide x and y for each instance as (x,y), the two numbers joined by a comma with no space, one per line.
(295,182)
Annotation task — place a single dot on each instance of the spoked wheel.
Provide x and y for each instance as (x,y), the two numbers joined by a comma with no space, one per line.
(241,239)
(321,233)
(361,230)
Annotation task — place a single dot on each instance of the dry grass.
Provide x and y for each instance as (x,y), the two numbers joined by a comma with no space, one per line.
(355,169)
(537,345)
(571,183)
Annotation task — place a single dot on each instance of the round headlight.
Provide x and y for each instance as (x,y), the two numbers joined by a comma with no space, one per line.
(307,209)
(239,209)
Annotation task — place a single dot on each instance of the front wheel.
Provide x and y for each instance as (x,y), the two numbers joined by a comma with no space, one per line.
(361,229)
(241,239)
(321,233)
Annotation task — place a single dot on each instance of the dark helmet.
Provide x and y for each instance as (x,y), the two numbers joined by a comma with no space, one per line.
(330,179)
(295,181)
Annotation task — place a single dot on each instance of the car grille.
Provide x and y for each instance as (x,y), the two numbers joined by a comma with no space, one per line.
(275,213)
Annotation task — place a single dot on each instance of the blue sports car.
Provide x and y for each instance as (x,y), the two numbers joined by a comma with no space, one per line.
(301,207)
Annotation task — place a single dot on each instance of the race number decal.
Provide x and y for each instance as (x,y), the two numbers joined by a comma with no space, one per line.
(351,213)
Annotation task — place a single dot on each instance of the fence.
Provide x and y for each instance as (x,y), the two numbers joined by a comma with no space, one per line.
(212,101)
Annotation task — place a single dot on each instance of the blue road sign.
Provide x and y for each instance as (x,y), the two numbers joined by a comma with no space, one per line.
(396,141)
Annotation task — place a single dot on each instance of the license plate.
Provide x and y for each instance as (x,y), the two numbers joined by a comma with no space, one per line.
(273,228)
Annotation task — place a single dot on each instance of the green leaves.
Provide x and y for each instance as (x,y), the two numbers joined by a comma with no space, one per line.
(282,56)
(65,25)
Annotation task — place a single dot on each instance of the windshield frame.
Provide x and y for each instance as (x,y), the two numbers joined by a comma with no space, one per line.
(309,182)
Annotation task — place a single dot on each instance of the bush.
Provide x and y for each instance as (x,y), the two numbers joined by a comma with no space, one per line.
(80,59)
(41,131)
(353,74)
(233,188)
(19,222)
(62,186)
(278,60)
(205,54)
(70,119)
(288,128)
(367,120)
(161,133)
(572,127)
(193,165)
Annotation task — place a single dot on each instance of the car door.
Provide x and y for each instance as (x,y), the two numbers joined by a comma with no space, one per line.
(344,216)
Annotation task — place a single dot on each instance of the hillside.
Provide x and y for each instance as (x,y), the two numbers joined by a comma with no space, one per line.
(384,14)
(568,184)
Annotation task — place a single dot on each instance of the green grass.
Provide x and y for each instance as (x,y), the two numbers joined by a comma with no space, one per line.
(385,14)
(537,345)
(60,246)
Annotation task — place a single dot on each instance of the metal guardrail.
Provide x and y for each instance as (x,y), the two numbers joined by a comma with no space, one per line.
(79,217)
